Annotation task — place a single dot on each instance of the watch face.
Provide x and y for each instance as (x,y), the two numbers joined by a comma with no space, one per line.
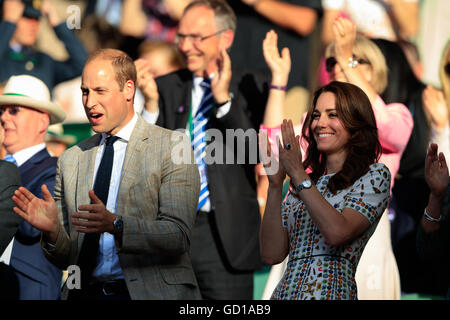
(118,224)
(307,184)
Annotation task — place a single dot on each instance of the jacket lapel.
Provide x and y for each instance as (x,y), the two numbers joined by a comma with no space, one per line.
(132,164)
(86,164)
(183,111)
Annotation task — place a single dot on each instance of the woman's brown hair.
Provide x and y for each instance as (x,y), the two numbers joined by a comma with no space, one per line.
(363,147)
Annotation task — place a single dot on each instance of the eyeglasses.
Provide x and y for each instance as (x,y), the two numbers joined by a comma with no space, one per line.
(195,38)
(13,110)
(331,62)
(447,68)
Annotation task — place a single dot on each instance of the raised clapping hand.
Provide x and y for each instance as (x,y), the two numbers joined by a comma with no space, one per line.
(274,171)
(146,83)
(40,213)
(291,153)
(436,171)
(220,83)
(436,107)
(344,32)
(48,10)
(279,65)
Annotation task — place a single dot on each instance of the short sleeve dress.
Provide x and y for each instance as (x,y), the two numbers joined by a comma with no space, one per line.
(317,270)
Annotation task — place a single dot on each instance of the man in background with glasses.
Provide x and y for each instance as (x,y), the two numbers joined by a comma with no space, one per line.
(25,113)
(209,94)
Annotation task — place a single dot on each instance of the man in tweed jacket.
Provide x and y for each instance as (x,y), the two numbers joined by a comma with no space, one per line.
(155,197)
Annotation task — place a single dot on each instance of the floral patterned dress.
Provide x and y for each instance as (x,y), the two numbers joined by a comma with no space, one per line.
(317,270)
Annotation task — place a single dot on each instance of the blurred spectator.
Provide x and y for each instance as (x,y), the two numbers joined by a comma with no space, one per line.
(162,57)
(152,19)
(434,32)
(294,21)
(56,141)
(386,19)
(413,55)
(19,28)
(437,103)
(156,58)
(433,236)
(410,192)
(26,112)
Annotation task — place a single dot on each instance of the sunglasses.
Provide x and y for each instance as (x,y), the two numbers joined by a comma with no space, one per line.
(14,110)
(331,62)
(447,68)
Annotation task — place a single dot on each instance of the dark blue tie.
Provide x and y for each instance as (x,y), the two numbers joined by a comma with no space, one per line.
(87,259)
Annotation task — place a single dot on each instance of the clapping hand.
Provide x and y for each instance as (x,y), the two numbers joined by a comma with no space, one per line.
(40,213)
(220,83)
(436,106)
(48,10)
(95,218)
(275,173)
(436,171)
(291,153)
(279,65)
(344,32)
(147,84)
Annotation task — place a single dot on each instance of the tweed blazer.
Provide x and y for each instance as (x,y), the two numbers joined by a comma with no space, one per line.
(157,199)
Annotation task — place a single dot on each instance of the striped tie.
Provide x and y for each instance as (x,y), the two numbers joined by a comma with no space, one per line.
(198,139)
(11,159)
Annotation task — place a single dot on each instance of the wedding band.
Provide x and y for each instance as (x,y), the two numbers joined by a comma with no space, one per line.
(287,146)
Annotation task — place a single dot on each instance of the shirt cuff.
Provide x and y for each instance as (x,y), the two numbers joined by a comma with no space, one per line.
(223,110)
(149,116)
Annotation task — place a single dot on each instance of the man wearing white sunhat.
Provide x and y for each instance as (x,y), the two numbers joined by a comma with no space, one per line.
(25,113)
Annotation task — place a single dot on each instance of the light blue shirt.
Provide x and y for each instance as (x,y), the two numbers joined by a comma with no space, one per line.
(108,266)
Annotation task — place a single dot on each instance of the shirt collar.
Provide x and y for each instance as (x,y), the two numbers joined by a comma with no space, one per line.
(24,155)
(125,132)
(197,80)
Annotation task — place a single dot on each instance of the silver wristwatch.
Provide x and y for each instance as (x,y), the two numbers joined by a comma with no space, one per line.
(305,184)
(118,225)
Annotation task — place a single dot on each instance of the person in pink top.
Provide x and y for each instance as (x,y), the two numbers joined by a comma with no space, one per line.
(355,59)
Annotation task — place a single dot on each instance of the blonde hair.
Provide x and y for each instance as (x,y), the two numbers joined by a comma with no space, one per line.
(369,51)
(445,78)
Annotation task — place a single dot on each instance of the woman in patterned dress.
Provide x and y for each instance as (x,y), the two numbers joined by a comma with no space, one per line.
(325,226)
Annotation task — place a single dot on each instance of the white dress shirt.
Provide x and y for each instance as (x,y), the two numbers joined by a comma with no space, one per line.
(196,98)
(24,155)
(108,266)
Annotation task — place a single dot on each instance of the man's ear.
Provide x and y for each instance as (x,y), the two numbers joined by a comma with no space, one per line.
(129,89)
(44,121)
(227,39)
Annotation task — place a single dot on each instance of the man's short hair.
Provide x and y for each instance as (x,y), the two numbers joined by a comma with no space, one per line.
(223,14)
(122,63)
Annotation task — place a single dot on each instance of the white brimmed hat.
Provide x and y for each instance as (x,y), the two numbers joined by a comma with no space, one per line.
(55,133)
(29,91)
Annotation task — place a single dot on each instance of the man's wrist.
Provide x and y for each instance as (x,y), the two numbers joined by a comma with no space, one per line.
(52,236)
